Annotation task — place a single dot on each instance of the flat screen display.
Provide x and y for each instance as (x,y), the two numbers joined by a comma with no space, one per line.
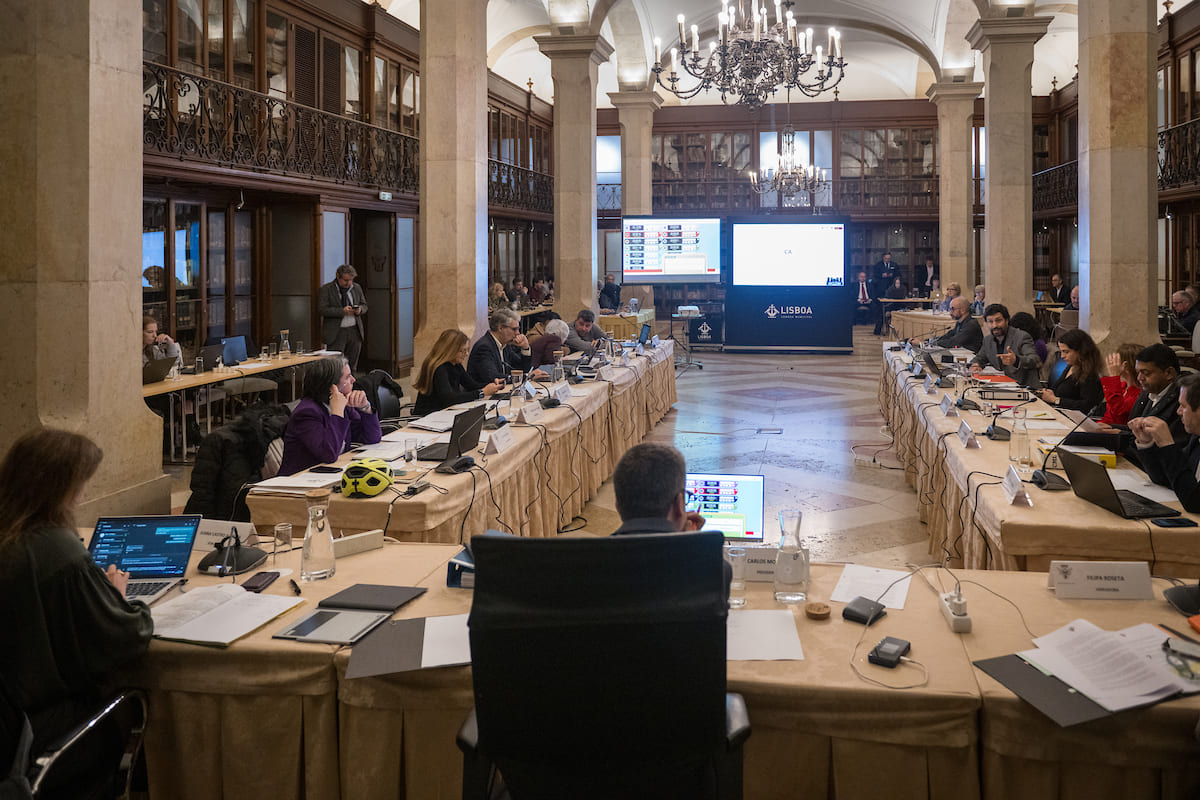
(660,250)
(732,504)
(789,254)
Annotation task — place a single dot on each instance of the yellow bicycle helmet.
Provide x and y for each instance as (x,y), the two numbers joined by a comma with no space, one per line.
(366,477)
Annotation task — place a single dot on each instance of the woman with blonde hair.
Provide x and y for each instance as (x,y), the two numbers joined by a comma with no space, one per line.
(497,297)
(443,381)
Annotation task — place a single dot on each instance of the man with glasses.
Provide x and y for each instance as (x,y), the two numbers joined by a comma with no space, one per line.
(585,334)
(499,351)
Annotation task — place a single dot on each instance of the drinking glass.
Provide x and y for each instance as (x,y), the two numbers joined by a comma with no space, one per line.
(283,540)
(737,587)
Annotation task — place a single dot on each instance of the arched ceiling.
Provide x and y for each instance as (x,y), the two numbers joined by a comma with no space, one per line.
(893,50)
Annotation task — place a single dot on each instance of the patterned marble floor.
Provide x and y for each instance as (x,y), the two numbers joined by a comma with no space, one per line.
(825,405)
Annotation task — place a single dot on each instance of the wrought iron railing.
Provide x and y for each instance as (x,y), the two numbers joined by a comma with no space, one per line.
(1179,156)
(515,187)
(1056,188)
(608,199)
(200,119)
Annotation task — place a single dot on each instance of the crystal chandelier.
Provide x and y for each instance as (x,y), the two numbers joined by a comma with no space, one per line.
(752,57)
(791,178)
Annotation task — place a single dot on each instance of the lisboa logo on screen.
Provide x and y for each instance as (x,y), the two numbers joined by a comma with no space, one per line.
(788,312)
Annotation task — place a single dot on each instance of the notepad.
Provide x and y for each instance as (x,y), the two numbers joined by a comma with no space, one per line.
(217,615)
(372,597)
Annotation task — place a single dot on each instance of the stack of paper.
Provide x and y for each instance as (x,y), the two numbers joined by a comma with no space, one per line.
(296,485)
(217,615)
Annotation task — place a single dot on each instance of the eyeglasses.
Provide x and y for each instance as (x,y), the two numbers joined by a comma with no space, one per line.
(1179,662)
(516,327)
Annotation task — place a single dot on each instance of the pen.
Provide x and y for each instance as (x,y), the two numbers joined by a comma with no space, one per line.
(295,586)
(1174,632)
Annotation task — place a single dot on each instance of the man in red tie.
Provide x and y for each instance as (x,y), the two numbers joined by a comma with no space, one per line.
(865,304)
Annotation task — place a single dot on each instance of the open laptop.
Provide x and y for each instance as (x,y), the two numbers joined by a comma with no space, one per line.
(644,336)
(464,436)
(208,356)
(158,369)
(732,504)
(1090,481)
(233,350)
(153,550)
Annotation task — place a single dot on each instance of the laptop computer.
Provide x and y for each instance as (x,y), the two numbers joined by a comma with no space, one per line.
(732,504)
(1090,481)
(233,350)
(644,336)
(208,356)
(153,550)
(158,369)
(464,436)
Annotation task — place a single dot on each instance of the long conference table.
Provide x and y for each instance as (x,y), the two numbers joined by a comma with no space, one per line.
(533,488)
(969,520)
(922,324)
(279,719)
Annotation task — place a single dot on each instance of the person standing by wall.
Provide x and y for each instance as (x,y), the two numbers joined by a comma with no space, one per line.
(342,304)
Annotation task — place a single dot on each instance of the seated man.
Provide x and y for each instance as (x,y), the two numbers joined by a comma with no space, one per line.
(610,295)
(499,351)
(1009,350)
(585,334)
(1185,311)
(966,332)
(1059,292)
(865,302)
(1157,369)
(1167,461)
(537,292)
(1074,304)
(519,294)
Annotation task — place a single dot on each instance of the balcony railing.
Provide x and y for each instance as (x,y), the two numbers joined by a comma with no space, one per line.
(1056,188)
(510,186)
(1179,156)
(199,119)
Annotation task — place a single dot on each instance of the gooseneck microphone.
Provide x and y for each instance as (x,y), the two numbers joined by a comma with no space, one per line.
(1043,478)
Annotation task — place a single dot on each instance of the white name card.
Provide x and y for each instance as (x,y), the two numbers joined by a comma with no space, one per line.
(1014,488)
(499,441)
(624,358)
(212,531)
(930,385)
(530,390)
(760,562)
(640,350)
(562,392)
(966,435)
(654,340)
(947,406)
(530,413)
(1109,580)
(605,373)
(916,368)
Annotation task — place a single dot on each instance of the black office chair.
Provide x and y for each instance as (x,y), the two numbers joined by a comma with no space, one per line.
(384,395)
(29,776)
(599,670)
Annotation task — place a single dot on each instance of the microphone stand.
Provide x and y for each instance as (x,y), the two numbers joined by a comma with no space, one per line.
(1043,478)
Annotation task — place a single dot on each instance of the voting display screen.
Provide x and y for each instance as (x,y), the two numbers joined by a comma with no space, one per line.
(661,250)
(732,504)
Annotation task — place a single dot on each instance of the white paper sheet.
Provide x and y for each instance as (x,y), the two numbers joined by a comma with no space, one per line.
(762,636)
(446,641)
(301,480)
(870,582)
(1136,481)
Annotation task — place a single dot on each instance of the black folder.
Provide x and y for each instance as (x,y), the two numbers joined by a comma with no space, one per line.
(372,597)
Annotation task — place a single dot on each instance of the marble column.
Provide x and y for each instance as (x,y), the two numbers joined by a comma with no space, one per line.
(1007,47)
(452,268)
(635,112)
(70,231)
(574,60)
(1118,190)
(956,111)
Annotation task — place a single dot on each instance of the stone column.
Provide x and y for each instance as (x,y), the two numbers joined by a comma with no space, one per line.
(635,111)
(70,211)
(452,268)
(1007,47)
(1118,188)
(574,60)
(956,111)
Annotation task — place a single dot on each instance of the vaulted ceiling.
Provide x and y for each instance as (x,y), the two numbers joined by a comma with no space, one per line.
(893,49)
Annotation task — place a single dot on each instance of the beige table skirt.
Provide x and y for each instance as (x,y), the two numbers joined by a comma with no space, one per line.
(920,324)
(626,326)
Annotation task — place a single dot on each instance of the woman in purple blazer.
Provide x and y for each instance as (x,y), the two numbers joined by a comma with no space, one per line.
(331,416)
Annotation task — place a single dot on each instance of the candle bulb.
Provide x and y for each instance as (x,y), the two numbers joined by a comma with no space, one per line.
(837,43)
(818,55)
(756,23)
(682,37)
(829,42)
(722,20)
(791,29)
(674,60)
(696,40)
(778,12)
(808,39)
(657,50)
(803,44)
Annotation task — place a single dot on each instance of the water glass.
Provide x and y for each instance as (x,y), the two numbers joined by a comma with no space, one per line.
(736,556)
(283,540)
(274,350)
(410,450)
(299,347)
(263,355)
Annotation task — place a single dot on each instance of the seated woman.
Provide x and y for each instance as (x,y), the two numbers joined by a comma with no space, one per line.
(156,345)
(331,416)
(951,291)
(1079,386)
(74,628)
(543,347)
(1120,385)
(1025,321)
(443,379)
(497,297)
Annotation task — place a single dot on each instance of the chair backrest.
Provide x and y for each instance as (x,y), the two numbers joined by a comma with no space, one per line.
(383,393)
(596,654)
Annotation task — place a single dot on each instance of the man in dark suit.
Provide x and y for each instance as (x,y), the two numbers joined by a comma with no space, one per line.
(610,295)
(1157,369)
(1008,349)
(966,332)
(1059,293)
(884,272)
(1166,460)
(1185,311)
(502,349)
(341,303)
(926,275)
(866,304)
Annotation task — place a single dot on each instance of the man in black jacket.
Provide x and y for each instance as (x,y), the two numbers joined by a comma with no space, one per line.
(1167,461)
(499,351)
(966,332)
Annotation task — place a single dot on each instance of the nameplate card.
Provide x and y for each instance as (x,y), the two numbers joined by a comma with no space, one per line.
(605,373)
(966,435)
(908,349)
(916,368)
(562,392)
(639,350)
(499,440)
(212,531)
(530,413)
(530,390)
(1105,580)
(654,341)
(760,562)
(947,406)
(624,358)
(930,385)
(1014,488)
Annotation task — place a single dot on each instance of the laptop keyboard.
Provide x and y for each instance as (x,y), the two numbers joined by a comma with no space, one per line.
(143,588)
(1134,503)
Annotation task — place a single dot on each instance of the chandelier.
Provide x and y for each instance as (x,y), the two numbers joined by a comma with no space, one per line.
(791,178)
(753,57)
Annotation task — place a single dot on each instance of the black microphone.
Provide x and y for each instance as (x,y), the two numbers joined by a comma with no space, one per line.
(998,434)
(1046,480)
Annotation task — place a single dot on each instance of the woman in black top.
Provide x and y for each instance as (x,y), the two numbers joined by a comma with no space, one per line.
(443,379)
(1079,386)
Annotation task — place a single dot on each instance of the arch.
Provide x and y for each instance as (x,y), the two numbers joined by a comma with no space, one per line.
(504,45)
(630,42)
